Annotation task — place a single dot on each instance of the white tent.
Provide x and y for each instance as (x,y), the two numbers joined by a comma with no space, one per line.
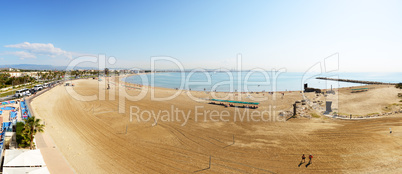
(30,170)
(23,158)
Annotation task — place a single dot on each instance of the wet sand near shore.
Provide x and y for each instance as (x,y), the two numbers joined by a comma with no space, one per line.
(92,135)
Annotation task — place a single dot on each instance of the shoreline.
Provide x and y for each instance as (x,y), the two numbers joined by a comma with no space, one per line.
(333,115)
(242,92)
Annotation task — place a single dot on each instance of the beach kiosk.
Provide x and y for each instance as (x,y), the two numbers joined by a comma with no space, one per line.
(24,161)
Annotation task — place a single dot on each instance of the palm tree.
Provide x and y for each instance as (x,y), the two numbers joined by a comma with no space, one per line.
(32,126)
(106,72)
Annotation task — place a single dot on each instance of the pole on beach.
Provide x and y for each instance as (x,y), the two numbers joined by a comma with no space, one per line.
(126,128)
(233,139)
(209,162)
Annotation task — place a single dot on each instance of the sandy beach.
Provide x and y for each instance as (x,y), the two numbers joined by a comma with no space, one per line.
(99,136)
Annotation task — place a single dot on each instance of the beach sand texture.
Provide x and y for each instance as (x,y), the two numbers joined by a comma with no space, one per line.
(92,135)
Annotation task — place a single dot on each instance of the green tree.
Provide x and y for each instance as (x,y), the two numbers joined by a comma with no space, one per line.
(106,72)
(399,85)
(31,127)
(22,140)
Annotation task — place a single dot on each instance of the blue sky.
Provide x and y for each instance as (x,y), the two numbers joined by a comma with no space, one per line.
(205,34)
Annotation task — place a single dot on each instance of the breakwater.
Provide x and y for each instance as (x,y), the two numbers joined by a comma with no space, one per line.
(356,81)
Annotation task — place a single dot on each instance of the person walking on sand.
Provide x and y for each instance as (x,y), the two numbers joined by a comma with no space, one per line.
(310,157)
(303,158)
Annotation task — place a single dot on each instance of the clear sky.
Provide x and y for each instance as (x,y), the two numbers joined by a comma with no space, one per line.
(207,34)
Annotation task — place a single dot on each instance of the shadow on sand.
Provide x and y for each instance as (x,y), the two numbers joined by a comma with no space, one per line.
(300,164)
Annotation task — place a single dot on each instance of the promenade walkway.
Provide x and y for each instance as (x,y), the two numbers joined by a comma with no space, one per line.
(53,158)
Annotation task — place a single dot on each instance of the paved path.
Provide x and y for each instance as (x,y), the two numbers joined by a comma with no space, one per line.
(54,160)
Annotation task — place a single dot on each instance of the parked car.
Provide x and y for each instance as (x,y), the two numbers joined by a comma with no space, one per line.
(19,93)
(46,85)
(22,92)
(38,87)
(27,92)
(32,90)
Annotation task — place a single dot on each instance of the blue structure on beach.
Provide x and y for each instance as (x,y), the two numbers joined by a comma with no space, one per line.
(25,114)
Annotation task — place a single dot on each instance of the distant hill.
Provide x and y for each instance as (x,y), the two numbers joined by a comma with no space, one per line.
(40,67)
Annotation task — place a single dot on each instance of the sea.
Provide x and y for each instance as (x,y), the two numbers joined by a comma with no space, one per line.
(256,81)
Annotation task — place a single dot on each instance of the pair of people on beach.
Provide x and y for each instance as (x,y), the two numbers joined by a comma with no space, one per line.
(310,157)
